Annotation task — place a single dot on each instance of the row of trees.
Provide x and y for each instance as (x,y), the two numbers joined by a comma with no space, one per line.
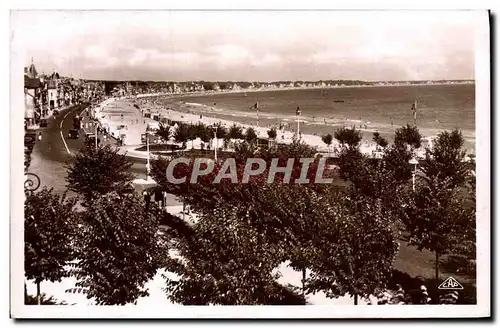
(185,132)
(346,237)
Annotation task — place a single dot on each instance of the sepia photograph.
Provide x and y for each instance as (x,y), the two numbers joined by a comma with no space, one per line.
(250,164)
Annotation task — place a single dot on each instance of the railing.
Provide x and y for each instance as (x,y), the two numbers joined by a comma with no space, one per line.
(31,183)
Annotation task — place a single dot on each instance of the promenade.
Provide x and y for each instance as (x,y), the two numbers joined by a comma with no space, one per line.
(120,118)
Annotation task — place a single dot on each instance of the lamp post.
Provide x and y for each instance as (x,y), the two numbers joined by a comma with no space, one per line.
(148,166)
(413,162)
(96,137)
(298,112)
(215,127)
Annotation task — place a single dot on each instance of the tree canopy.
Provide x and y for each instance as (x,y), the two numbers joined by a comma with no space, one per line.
(271,133)
(350,137)
(250,135)
(327,139)
(49,222)
(94,172)
(119,249)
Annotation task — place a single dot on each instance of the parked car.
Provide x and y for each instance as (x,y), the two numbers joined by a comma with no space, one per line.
(43,123)
(30,139)
(73,134)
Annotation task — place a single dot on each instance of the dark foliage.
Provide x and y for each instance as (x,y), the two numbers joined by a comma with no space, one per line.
(446,160)
(250,135)
(408,135)
(350,137)
(119,249)
(49,227)
(271,133)
(95,172)
(379,140)
(236,132)
(327,139)
(164,131)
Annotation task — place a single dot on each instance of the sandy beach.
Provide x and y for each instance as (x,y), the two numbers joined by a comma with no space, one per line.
(110,115)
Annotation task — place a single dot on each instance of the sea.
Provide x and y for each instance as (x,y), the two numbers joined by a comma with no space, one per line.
(369,109)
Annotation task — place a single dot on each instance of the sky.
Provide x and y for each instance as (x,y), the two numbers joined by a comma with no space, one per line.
(247,45)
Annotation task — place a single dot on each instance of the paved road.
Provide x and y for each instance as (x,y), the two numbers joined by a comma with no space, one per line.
(51,153)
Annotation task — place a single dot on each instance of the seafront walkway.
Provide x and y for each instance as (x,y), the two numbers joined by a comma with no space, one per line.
(124,117)
(121,118)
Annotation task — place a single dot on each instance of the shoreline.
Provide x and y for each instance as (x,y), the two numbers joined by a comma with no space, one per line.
(315,126)
(213,92)
(173,107)
(182,112)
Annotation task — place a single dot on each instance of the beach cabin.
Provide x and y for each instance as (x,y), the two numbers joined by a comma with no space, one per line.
(153,126)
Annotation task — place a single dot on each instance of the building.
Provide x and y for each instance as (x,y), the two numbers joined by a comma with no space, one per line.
(53,92)
(33,88)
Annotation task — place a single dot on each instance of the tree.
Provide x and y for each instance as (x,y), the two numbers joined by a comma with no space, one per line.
(327,139)
(447,159)
(441,217)
(119,249)
(236,132)
(203,132)
(95,172)
(250,135)
(357,249)
(229,264)
(221,131)
(350,137)
(48,234)
(465,244)
(397,156)
(182,134)
(271,133)
(164,131)
(408,135)
(436,215)
(379,140)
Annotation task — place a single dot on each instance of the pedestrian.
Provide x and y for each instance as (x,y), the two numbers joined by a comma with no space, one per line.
(164,194)
(159,198)
(147,198)
(40,136)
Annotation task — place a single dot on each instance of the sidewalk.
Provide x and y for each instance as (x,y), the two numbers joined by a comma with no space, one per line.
(89,127)
(117,112)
